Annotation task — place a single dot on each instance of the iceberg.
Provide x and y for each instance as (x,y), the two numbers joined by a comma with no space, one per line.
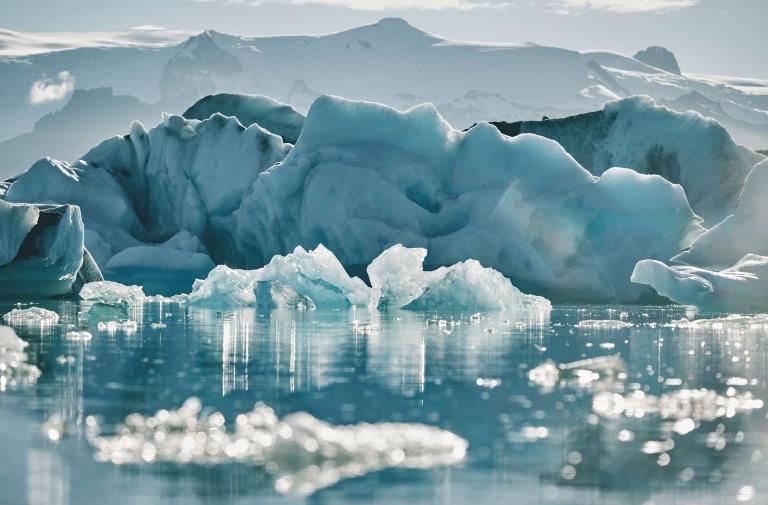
(303,453)
(31,316)
(144,188)
(740,288)
(684,148)
(41,251)
(112,293)
(361,178)
(390,177)
(399,281)
(309,279)
(279,118)
(741,233)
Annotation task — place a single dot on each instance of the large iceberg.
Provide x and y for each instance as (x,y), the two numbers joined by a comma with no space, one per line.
(138,192)
(684,148)
(741,233)
(740,288)
(277,117)
(361,178)
(519,205)
(42,252)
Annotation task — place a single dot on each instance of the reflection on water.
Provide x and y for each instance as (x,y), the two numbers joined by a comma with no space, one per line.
(652,410)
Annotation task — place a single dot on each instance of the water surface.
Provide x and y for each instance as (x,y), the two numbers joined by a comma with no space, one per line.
(528,442)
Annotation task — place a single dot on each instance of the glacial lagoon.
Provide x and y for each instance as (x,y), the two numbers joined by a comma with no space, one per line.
(646,410)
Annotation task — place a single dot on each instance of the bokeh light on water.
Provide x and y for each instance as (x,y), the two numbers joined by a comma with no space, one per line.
(655,407)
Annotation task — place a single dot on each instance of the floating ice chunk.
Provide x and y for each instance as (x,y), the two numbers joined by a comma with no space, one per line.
(112,293)
(318,275)
(115,326)
(468,286)
(303,453)
(14,368)
(397,276)
(224,287)
(601,373)
(741,288)
(603,324)
(79,336)
(398,280)
(31,316)
(733,322)
(694,404)
(299,278)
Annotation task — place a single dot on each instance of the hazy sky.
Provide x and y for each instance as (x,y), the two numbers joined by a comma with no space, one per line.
(727,37)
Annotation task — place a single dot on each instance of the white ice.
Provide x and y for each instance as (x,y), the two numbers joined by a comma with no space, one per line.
(740,288)
(32,316)
(112,293)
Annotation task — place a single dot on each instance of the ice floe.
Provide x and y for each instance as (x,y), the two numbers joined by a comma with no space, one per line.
(112,293)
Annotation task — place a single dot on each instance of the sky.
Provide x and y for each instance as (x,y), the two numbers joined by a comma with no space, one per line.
(726,37)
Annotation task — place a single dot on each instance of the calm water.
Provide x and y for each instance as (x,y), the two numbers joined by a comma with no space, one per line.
(528,443)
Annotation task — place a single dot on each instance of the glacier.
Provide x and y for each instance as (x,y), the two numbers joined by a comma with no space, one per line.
(187,191)
(42,251)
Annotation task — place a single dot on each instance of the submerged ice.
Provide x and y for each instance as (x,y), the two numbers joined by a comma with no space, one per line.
(302,452)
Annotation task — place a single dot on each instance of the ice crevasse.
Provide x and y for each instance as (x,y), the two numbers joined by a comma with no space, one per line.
(361,178)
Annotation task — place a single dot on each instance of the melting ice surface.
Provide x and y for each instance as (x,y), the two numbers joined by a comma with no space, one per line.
(385,406)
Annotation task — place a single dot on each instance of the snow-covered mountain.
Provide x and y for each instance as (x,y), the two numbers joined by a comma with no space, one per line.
(390,62)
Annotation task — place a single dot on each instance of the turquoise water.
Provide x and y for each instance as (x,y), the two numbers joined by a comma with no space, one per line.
(528,443)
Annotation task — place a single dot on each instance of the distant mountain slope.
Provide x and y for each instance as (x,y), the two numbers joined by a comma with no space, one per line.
(390,62)
(89,117)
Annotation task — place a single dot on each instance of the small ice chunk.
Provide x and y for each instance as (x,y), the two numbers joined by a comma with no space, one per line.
(31,316)
(112,293)
(399,280)
(115,326)
(79,336)
(603,324)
